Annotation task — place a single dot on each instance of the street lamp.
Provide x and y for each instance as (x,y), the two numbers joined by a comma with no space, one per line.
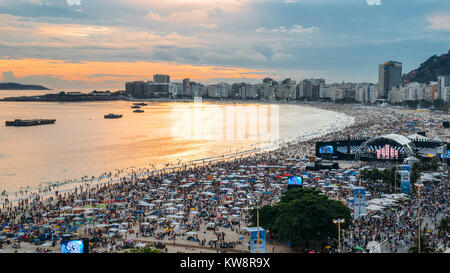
(419,185)
(339,222)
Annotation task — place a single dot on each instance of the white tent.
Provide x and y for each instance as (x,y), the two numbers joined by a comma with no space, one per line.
(418,137)
(411,159)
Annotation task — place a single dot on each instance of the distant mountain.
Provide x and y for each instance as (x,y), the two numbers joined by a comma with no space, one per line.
(430,69)
(18,86)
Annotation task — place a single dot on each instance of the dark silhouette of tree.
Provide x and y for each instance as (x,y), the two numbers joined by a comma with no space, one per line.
(304,217)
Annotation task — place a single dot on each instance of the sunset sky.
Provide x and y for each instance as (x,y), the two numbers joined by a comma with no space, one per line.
(104,43)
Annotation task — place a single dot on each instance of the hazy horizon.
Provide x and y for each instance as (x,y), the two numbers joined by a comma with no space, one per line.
(82,44)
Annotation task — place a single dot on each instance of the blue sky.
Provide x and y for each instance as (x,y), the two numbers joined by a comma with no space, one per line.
(341,40)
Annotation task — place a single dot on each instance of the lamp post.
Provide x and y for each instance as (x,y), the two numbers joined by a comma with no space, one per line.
(419,185)
(339,222)
(359,198)
(395,183)
(257,224)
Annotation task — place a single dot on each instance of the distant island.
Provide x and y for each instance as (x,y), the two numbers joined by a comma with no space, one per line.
(18,86)
(73,96)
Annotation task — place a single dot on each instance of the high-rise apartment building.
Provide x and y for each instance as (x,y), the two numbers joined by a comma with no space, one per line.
(443,82)
(389,76)
(160,78)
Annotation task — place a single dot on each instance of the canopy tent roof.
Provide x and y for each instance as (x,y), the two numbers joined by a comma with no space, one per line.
(418,137)
(374,144)
(397,138)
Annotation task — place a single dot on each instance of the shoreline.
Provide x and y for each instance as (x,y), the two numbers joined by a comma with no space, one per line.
(168,207)
(263,148)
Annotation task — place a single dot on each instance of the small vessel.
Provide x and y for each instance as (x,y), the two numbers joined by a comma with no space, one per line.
(138,111)
(29,122)
(140,104)
(135,106)
(110,116)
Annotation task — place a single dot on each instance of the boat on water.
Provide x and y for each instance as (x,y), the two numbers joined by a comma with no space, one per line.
(135,106)
(138,111)
(111,116)
(140,104)
(29,122)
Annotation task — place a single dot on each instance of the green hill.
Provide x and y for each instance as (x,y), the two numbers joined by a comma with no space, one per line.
(430,69)
(18,86)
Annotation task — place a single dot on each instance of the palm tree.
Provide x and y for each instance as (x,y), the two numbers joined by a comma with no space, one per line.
(444,228)
(424,248)
(444,225)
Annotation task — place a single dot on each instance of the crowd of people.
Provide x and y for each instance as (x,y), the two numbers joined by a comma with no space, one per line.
(206,207)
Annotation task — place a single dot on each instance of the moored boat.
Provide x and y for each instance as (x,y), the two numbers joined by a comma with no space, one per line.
(111,116)
(29,122)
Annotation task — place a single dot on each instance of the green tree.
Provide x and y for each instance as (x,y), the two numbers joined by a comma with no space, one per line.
(444,226)
(424,248)
(304,217)
(146,249)
(444,229)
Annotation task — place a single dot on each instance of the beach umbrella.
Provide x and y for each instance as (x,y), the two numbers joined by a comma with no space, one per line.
(46,244)
(141,245)
(191,233)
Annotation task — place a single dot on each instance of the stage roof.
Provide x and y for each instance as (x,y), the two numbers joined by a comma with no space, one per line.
(398,138)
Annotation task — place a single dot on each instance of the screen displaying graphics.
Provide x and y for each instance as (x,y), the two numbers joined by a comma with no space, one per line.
(326,149)
(446,155)
(295,180)
(387,152)
(405,183)
(73,246)
(359,201)
(404,167)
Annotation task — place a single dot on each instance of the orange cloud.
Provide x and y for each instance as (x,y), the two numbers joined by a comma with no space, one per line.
(99,72)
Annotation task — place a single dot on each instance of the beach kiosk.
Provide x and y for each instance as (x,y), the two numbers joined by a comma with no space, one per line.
(254,240)
(405,181)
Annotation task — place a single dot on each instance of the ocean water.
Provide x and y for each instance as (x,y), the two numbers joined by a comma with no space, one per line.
(83,143)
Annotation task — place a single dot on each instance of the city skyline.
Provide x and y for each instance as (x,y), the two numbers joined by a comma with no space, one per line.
(102,44)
